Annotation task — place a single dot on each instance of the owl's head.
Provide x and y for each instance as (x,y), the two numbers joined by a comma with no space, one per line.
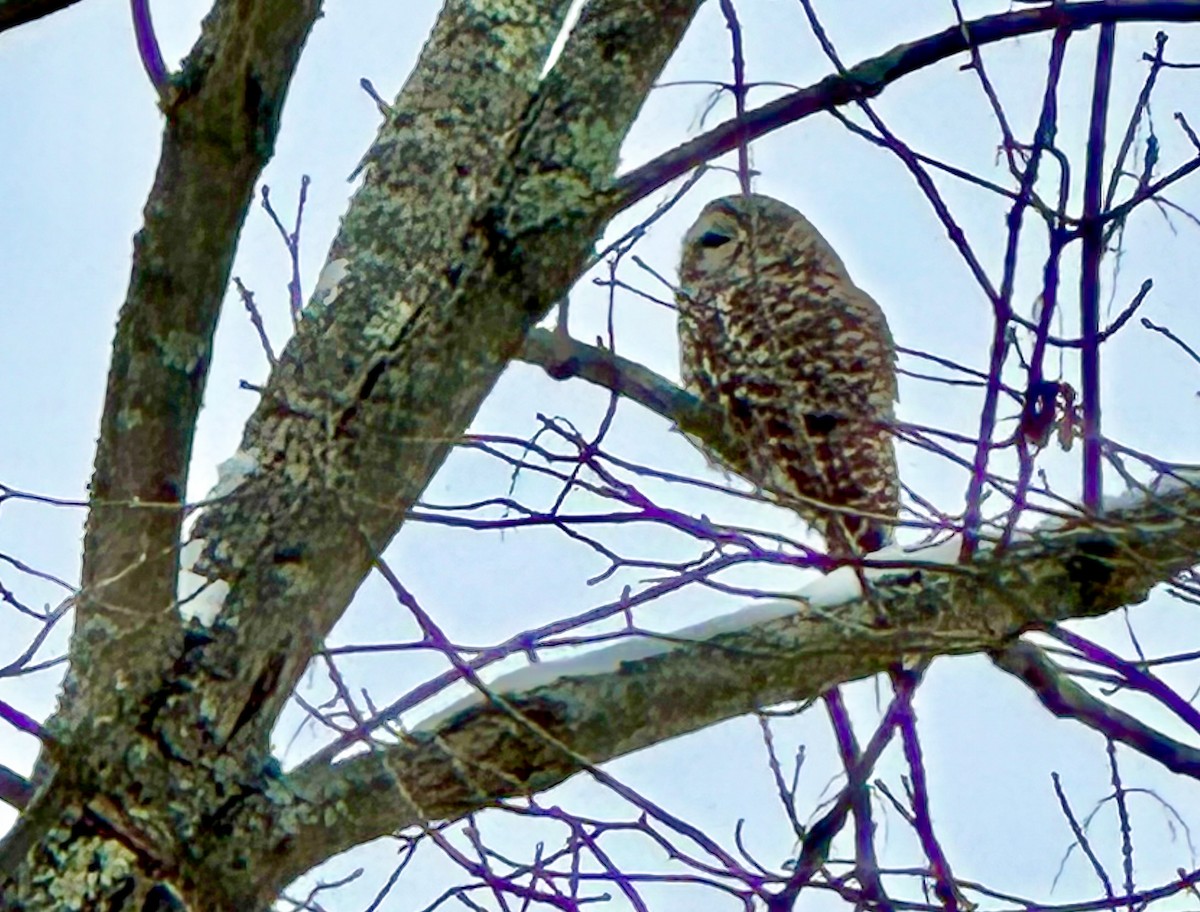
(742,235)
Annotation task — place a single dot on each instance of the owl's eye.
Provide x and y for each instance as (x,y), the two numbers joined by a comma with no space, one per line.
(712,239)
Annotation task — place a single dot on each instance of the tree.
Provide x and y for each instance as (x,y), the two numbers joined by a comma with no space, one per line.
(480,205)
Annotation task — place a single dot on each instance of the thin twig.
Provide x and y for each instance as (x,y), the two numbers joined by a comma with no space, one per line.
(1092,230)
(1174,338)
(147,45)
(1081,839)
(247,297)
(739,90)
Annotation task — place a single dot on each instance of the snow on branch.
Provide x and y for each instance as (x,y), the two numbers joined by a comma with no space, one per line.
(534,728)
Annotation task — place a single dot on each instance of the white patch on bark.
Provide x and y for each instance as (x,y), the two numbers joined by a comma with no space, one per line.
(233,472)
(328,282)
(564,33)
(198,597)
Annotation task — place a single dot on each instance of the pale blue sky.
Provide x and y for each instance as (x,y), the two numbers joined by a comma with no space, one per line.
(79,134)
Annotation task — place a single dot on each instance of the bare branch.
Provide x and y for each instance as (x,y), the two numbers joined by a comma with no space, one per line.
(1063,697)
(15,789)
(564,358)
(1092,230)
(147,42)
(870,77)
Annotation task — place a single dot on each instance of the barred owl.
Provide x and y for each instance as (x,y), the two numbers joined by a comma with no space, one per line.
(799,360)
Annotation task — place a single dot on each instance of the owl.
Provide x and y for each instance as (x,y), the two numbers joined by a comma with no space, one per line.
(800,362)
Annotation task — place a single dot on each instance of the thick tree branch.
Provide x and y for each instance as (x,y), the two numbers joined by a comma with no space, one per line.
(391,362)
(536,737)
(222,121)
(374,390)
(565,358)
(221,126)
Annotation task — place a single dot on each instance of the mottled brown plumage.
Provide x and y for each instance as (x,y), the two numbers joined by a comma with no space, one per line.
(800,360)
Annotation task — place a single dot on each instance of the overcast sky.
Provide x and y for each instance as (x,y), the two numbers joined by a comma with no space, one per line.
(79,137)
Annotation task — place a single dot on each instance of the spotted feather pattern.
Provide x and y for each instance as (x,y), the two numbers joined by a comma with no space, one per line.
(801,362)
